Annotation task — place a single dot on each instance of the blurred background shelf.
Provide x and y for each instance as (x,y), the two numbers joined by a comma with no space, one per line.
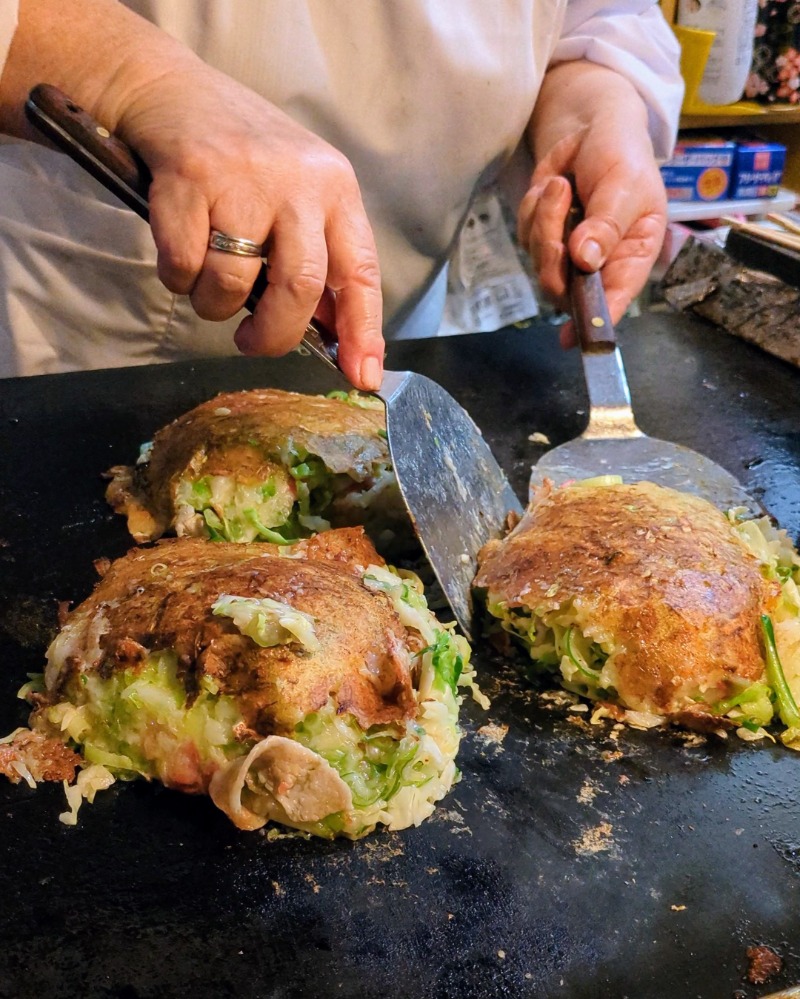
(777,122)
(686,211)
(759,115)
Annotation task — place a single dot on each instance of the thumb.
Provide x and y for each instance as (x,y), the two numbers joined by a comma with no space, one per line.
(598,235)
(612,210)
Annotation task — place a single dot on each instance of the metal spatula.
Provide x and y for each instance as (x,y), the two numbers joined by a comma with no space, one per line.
(612,444)
(456,494)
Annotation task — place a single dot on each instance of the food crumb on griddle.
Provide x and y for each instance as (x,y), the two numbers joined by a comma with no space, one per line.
(764,962)
(597,839)
(32,757)
(557,698)
(588,792)
(493,733)
(579,722)
(692,740)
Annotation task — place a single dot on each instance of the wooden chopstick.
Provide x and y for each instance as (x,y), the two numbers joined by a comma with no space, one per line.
(785,239)
(785,222)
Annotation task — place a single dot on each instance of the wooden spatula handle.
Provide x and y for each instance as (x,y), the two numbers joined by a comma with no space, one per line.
(586,294)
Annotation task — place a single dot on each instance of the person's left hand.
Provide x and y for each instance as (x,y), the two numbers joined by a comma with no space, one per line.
(619,185)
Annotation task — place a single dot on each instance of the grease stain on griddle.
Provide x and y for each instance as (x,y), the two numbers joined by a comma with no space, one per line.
(30,621)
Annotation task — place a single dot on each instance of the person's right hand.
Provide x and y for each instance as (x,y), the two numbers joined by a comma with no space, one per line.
(221,158)
(224,158)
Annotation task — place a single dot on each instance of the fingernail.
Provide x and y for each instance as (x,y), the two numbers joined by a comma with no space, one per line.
(553,187)
(371,373)
(590,253)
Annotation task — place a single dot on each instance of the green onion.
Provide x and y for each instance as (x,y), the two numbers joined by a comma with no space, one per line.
(579,664)
(753,703)
(446,661)
(267,533)
(787,707)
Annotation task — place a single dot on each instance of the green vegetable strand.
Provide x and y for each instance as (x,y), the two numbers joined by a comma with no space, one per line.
(787,706)
(586,670)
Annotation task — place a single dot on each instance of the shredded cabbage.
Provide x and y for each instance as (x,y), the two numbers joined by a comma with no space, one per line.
(139,721)
(224,509)
(397,773)
(89,781)
(356,398)
(268,622)
(559,639)
(296,500)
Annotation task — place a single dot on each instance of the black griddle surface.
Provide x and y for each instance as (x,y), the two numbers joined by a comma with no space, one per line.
(571,861)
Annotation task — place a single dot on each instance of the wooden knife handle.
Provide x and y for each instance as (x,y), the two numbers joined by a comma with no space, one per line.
(113,163)
(91,145)
(107,158)
(586,294)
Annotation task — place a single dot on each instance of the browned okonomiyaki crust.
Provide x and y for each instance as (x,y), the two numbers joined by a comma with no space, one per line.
(243,434)
(44,757)
(661,571)
(161,598)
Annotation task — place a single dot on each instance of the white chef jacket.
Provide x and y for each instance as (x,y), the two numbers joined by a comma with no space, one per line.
(427,98)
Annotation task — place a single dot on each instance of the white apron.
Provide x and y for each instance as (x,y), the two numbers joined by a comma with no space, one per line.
(457,83)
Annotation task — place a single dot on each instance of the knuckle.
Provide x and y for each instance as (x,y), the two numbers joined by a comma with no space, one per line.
(327,165)
(367,272)
(182,266)
(338,165)
(361,275)
(608,229)
(232,284)
(306,286)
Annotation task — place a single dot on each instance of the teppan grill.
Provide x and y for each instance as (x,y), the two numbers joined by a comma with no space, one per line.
(570,861)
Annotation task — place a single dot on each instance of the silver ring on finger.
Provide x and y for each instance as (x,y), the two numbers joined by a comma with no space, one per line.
(233,244)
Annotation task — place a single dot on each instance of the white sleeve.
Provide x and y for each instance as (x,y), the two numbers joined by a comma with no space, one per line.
(9,10)
(635,40)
